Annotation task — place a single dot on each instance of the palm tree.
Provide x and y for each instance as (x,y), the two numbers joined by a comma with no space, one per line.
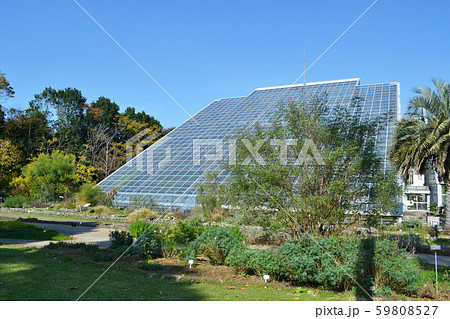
(423,137)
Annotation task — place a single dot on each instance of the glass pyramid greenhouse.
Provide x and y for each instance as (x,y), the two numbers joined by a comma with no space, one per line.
(170,169)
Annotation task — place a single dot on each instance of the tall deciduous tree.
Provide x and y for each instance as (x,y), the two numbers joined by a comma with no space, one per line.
(6,90)
(70,109)
(103,152)
(2,122)
(103,112)
(423,136)
(127,128)
(10,157)
(28,129)
(314,168)
(141,117)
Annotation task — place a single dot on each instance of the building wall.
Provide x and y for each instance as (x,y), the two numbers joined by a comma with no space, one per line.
(423,193)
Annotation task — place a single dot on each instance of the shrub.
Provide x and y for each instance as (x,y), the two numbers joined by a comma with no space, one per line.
(139,227)
(237,233)
(185,232)
(120,238)
(259,262)
(416,225)
(382,291)
(381,264)
(141,213)
(17,201)
(214,244)
(446,276)
(300,261)
(395,268)
(51,175)
(242,260)
(410,241)
(270,262)
(149,246)
(175,238)
(100,211)
(170,250)
(90,193)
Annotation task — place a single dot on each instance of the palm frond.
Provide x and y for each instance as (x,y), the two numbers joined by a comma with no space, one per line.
(424,135)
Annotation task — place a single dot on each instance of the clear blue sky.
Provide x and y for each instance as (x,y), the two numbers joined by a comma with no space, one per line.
(204,50)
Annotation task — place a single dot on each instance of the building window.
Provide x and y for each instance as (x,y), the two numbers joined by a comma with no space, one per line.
(416,202)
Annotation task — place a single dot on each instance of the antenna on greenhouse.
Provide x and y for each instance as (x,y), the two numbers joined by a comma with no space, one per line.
(304,76)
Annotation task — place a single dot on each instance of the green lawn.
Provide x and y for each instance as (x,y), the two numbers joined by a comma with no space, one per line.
(63,274)
(441,241)
(21,230)
(428,274)
(62,217)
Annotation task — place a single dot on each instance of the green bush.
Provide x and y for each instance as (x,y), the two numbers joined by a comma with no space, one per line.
(139,227)
(120,238)
(90,193)
(395,268)
(244,260)
(416,225)
(410,240)
(375,262)
(18,201)
(260,262)
(334,262)
(100,211)
(51,175)
(149,246)
(301,261)
(215,244)
(175,238)
(184,232)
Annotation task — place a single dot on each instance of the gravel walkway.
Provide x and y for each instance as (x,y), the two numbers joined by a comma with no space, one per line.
(79,234)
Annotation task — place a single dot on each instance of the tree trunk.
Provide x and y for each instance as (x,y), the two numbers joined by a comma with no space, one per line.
(447,206)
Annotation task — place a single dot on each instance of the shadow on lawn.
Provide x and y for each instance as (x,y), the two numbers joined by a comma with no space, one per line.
(62,274)
(365,269)
(66,229)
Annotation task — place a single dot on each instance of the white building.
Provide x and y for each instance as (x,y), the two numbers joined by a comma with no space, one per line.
(422,195)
